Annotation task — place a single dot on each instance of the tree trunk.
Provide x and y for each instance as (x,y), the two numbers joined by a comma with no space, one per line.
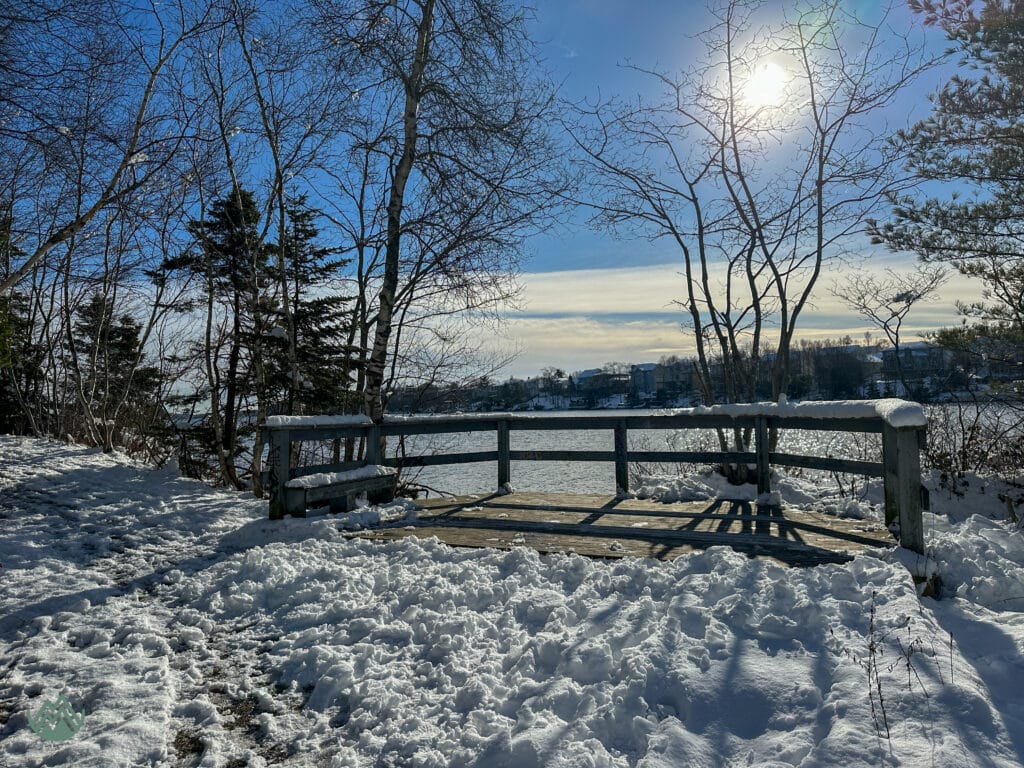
(372,394)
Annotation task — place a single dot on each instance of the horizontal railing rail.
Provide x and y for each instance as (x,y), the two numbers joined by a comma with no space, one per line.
(902,439)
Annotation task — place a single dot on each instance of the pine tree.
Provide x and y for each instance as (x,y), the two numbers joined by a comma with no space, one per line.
(123,393)
(231,262)
(21,376)
(970,155)
(322,319)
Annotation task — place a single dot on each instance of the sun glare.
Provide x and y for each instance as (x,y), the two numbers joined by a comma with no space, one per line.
(766,85)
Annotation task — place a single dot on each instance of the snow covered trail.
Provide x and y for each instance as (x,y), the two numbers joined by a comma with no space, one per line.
(192,631)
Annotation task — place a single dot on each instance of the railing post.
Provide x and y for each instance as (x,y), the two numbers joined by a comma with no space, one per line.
(621,458)
(901,459)
(504,460)
(761,446)
(278,460)
(373,445)
(890,473)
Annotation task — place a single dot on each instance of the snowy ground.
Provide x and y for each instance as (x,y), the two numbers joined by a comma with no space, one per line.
(190,630)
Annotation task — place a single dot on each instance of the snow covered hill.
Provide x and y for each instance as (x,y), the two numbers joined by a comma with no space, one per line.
(189,630)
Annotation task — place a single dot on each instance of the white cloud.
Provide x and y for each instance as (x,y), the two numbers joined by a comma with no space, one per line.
(573,319)
(602,291)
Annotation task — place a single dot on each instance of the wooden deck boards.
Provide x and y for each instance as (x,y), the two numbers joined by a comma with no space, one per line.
(602,526)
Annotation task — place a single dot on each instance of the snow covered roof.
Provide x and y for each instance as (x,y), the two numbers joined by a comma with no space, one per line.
(646,366)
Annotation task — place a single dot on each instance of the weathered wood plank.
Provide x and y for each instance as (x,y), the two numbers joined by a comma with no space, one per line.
(751,542)
(504,455)
(518,455)
(304,434)
(621,457)
(829,464)
(373,445)
(440,459)
(526,422)
(604,526)
(784,519)
(338,490)
(890,474)
(761,448)
(695,457)
(435,426)
(278,460)
(909,490)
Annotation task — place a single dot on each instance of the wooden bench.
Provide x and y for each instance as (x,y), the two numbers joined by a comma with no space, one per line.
(340,489)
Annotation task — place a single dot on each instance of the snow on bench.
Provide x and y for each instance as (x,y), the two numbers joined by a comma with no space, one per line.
(341,489)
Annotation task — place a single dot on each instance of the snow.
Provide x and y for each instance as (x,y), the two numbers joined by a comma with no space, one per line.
(167,611)
(318,421)
(320,479)
(896,413)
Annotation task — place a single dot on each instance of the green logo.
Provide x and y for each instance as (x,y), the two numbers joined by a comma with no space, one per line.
(56,720)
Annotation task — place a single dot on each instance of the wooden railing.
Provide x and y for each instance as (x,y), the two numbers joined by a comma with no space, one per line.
(900,466)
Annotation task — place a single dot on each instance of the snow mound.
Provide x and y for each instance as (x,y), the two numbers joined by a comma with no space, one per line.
(980,560)
(168,612)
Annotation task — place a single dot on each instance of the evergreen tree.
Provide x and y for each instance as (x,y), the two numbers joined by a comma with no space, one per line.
(231,263)
(322,318)
(970,155)
(123,393)
(21,376)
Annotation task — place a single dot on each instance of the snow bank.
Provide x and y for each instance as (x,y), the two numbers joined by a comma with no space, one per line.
(168,611)
(981,560)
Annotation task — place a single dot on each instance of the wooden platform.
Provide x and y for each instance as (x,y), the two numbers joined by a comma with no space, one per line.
(602,526)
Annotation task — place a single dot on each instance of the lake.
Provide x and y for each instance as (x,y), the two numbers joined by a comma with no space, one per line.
(595,477)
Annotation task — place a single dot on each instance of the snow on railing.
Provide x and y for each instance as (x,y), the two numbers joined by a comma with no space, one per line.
(902,425)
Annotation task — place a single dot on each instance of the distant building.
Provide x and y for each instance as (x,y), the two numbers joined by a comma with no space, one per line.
(643,381)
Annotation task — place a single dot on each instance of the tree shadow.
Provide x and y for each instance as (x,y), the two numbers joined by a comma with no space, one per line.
(995,658)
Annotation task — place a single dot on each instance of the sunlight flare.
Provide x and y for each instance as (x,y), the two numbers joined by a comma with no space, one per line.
(766,86)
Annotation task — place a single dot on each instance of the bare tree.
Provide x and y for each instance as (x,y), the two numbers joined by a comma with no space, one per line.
(757,190)
(89,118)
(457,165)
(886,301)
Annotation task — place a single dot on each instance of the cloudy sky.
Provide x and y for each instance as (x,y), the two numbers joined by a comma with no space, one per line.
(589,297)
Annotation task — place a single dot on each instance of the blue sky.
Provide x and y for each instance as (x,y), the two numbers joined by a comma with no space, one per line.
(591,297)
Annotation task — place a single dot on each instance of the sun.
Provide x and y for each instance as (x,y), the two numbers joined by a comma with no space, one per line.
(766,86)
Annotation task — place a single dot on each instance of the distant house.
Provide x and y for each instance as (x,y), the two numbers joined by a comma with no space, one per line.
(643,380)
(919,360)
(588,380)
(674,377)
